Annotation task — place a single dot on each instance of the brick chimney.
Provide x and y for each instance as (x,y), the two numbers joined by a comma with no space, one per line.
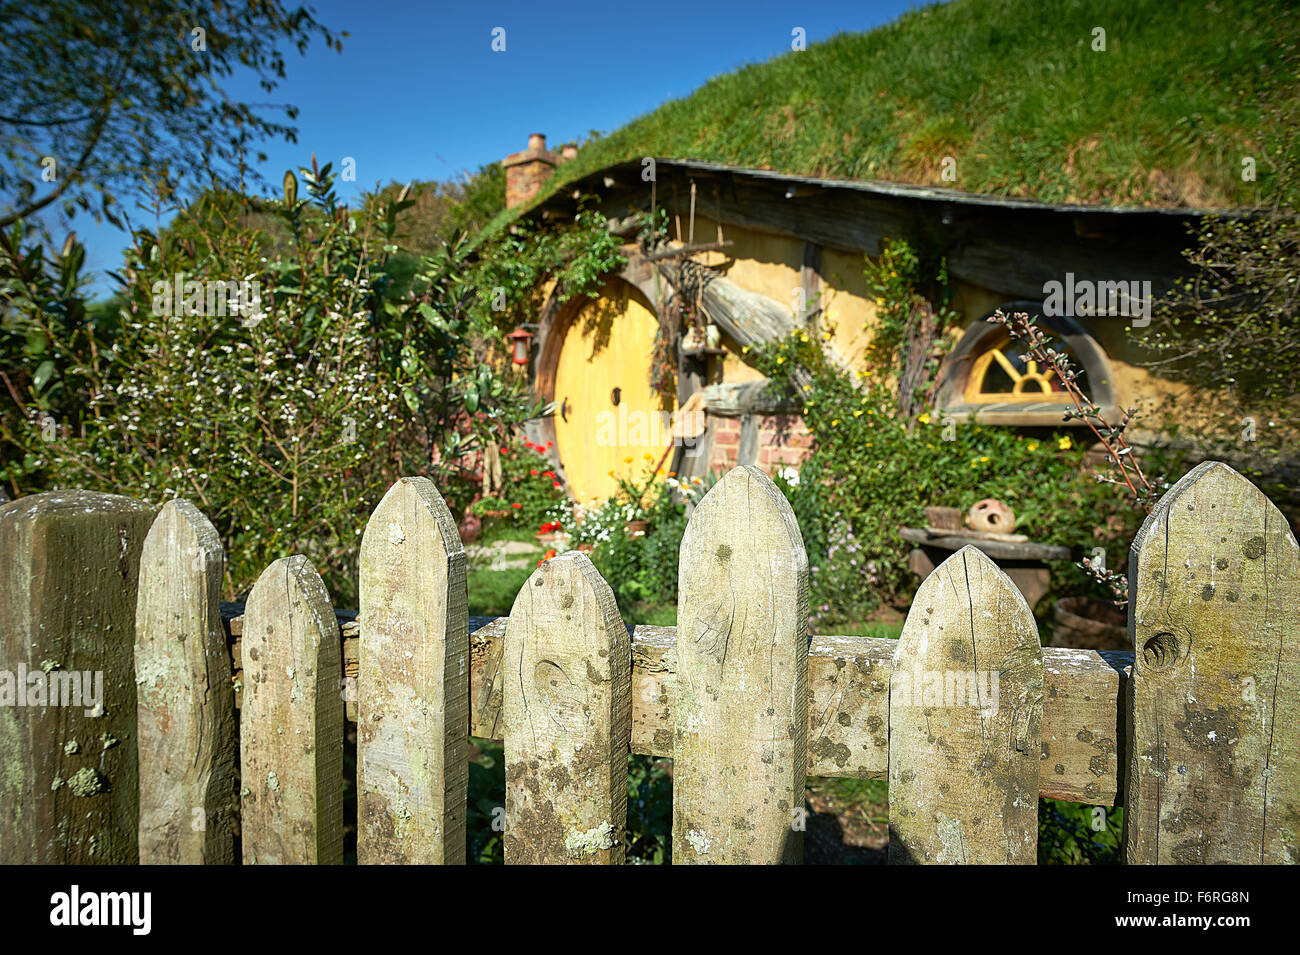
(527,170)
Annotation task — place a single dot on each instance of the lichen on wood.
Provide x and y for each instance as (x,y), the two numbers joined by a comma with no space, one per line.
(1214,734)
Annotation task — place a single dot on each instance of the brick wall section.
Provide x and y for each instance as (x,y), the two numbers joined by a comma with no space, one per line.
(783,441)
(726,442)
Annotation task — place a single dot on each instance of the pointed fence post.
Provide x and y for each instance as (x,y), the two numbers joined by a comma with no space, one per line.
(965,721)
(185,702)
(741,714)
(413,684)
(568,718)
(69,569)
(1214,734)
(291,725)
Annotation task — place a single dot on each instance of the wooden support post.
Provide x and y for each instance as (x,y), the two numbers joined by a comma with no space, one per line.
(186,702)
(1214,736)
(291,727)
(741,712)
(568,718)
(69,570)
(965,721)
(412,748)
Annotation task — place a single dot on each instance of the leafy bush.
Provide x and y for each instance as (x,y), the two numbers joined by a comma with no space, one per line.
(283,408)
(1071,833)
(531,493)
(869,474)
(642,568)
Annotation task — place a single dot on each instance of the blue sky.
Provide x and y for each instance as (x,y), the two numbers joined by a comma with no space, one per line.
(418,92)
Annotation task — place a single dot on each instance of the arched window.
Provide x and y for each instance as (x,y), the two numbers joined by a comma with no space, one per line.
(1001,374)
(986,376)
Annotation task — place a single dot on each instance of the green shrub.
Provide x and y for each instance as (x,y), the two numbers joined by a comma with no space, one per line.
(283,416)
(640,569)
(532,495)
(869,474)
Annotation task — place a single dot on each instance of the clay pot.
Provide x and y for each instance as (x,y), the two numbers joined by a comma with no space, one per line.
(636,528)
(991,516)
(1089,624)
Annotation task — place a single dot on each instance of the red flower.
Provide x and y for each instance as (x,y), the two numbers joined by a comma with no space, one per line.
(549,443)
(549,554)
(533,472)
(548,474)
(516,506)
(556,484)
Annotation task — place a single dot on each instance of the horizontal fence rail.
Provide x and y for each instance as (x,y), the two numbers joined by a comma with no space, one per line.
(966,715)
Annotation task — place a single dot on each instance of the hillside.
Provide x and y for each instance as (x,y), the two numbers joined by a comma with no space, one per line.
(1014,92)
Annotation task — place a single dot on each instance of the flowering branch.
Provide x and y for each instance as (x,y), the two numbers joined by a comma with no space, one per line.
(1119,453)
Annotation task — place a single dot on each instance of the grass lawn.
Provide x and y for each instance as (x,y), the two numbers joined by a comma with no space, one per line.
(1013,90)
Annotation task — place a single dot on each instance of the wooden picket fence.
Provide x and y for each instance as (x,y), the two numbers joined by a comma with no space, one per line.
(966,715)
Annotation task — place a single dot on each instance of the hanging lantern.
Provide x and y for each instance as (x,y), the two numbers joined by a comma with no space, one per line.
(519,340)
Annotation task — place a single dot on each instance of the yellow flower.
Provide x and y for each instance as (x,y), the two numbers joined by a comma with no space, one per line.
(924,419)
(628,459)
(826,335)
(611,472)
(648,456)
(1032,445)
(857,413)
(835,423)
(984,459)
(803,336)
(1064,443)
(780,359)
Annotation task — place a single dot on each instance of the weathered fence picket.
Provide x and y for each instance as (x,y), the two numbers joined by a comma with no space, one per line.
(965,720)
(568,713)
(185,701)
(1214,738)
(69,567)
(740,754)
(291,727)
(965,714)
(413,682)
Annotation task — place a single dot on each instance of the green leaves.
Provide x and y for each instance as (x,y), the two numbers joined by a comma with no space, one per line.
(113,90)
(43,372)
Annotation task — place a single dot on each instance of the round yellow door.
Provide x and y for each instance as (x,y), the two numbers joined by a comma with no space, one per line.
(606,411)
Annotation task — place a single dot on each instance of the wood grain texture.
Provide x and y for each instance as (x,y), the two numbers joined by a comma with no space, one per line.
(1214,774)
(740,716)
(291,727)
(965,717)
(185,703)
(413,686)
(567,718)
(69,569)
